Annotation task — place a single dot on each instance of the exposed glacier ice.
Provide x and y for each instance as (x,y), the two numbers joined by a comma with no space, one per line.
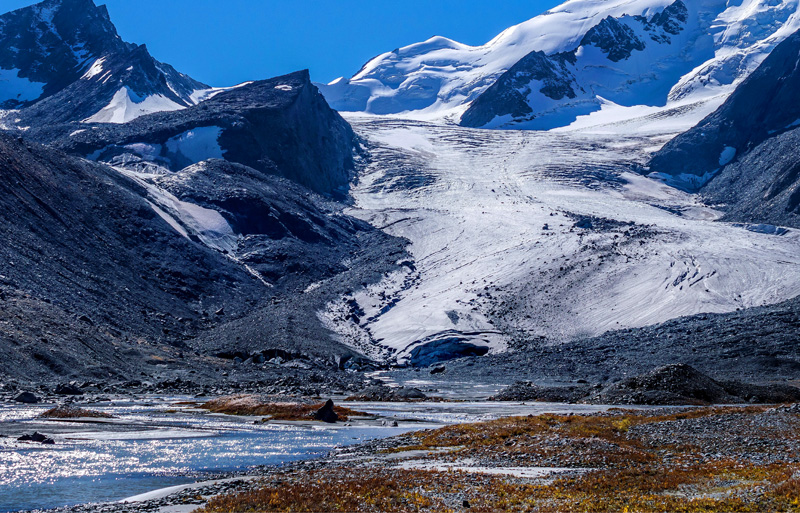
(541,234)
(196,145)
(188,219)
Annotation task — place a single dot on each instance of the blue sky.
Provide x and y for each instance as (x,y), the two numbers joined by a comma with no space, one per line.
(225,42)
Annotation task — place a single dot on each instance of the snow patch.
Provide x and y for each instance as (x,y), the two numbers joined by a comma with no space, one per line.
(127,106)
(188,219)
(95,69)
(202,95)
(17,88)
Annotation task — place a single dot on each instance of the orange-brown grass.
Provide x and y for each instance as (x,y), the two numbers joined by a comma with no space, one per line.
(252,406)
(530,435)
(628,473)
(370,490)
(61,412)
(597,439)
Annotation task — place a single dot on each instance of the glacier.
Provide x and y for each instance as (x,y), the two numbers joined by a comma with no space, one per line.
(520,234)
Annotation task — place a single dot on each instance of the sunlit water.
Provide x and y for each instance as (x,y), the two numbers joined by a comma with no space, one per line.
(153,446)
(92,464)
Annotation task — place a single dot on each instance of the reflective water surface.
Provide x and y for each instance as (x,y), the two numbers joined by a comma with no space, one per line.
(149,446)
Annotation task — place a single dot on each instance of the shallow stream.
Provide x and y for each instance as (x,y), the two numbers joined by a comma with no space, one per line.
(153,444)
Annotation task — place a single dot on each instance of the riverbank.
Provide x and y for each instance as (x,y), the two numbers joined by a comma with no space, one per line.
(669,459)
(704,459)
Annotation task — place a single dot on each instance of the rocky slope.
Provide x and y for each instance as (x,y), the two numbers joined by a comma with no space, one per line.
(108,275)
(755,345)
(745,152)
(678,384)
(62,60)
(93,278)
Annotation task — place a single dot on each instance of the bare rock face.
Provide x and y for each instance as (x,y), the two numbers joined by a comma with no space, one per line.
(281,126)
(326,413)
(509,95)
(764,107)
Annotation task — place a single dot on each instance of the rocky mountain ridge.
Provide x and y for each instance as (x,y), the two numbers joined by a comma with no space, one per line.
(63,60)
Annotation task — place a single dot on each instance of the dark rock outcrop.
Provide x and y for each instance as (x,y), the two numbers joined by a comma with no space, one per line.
(670,385)
(281,126)
(37,438)
(617,40)
(383,393)
(438,369)
(764,106)
(26,398)
(508,97)
(527,391)
(67,389)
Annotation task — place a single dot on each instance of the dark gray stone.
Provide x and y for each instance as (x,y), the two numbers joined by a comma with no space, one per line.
(326,413)
(26,398)
(68,389)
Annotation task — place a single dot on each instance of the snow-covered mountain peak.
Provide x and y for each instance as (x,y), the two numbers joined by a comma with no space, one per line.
(440,76)
(46,45)
(63,60)
(414,51)
(631,52)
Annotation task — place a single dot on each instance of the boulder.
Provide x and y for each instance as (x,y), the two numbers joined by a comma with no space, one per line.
(68,389)
(37,437)
(439,369)
(26,398)
(326,413)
